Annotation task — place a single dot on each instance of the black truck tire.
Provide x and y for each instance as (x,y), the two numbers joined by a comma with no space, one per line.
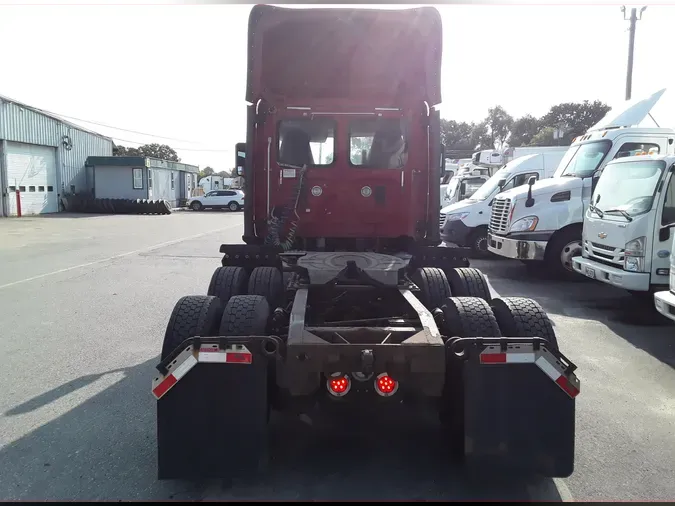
(523,317)
(433,285)
(268,282)
(558,257)
(464,317)
(231,399)
(228,281)
(469,317)
(245,315)
(193,315)
(468,282)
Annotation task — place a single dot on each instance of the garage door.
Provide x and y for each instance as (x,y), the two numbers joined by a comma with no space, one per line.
(32,170)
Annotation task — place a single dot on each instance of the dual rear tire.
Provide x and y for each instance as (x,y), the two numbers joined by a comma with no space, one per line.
(229,281)
(437,285)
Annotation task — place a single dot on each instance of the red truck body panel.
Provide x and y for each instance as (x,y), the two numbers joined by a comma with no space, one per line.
(342,66)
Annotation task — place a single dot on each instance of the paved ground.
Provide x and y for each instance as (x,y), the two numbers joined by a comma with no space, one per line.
(83,305)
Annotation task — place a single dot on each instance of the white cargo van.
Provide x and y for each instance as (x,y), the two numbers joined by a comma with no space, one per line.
(466,223)
(462,187)
(628,225)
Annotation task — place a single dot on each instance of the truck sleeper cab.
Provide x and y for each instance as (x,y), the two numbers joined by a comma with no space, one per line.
(627,226)
(543,223)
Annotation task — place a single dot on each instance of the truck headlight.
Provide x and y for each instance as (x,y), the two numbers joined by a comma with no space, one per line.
(527,224)
(636,247)
(634,255)
(456,216)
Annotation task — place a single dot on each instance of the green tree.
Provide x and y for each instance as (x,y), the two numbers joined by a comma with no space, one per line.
(456,135)
(206,171)
(574,118)
(161,151)
(481,137)
(545,138)
(499,124)
(523,130)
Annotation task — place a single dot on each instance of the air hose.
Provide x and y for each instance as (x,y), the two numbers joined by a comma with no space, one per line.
(276,222)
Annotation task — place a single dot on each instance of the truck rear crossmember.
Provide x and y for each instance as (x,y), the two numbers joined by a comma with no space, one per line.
(234,350)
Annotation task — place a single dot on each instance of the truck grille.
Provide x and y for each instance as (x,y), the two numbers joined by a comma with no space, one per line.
(441,220)
(607,255)
(499,219)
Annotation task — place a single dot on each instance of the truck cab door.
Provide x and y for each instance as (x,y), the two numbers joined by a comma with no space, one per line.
(664,228)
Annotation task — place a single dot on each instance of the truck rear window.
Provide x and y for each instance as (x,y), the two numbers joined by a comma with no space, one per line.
(306,141)
(378,143)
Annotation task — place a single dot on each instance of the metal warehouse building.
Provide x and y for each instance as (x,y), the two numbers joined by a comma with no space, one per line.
(139,177)
(43,156)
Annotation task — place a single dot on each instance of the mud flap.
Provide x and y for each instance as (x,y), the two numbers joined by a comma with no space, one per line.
(517,418)
(213,422)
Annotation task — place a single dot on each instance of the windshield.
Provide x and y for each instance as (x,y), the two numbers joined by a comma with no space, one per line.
(628,187)
(490,185)
(472,185)
(585,159)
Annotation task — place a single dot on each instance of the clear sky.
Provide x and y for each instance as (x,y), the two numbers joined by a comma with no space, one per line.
(179,70)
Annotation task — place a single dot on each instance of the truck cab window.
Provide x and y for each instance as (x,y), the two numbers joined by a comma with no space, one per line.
(637,148)
(585,160)
(378,143)
(520,180)
(306,141)
(668,215)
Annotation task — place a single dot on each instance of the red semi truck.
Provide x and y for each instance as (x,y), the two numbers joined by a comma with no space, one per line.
(339,293)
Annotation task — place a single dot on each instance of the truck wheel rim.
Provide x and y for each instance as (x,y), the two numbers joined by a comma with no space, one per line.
(569,251)
(481,244)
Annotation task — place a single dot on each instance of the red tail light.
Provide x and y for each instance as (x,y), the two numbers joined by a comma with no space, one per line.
(338,384)
(385,385)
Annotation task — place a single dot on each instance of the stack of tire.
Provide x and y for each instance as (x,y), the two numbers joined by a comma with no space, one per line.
(85,204)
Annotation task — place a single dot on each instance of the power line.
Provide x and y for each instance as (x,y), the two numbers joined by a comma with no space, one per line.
(123,129)
(140,133)
(180,148)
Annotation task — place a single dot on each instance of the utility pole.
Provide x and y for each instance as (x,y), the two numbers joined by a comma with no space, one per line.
(631,45)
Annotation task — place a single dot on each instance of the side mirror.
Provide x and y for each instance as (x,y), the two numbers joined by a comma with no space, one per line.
(240,159)
(530,201)
(501,183)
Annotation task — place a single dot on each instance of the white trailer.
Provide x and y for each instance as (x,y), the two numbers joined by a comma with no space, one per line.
(542,222)
(495,158)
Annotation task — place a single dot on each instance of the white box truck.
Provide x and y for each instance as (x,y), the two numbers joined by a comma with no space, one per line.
(465,223)
(541,223)
(627,232)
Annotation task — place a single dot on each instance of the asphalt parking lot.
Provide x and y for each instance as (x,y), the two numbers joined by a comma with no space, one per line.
(84,301)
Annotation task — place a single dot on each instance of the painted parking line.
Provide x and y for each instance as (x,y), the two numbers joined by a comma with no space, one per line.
(115,257)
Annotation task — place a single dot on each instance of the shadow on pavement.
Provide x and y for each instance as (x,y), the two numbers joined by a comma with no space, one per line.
(632,318)
(105,449)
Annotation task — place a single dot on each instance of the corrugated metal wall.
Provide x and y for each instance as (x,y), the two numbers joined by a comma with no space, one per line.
(20,124)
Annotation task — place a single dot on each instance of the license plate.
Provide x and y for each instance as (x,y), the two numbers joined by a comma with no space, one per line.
(589,272)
